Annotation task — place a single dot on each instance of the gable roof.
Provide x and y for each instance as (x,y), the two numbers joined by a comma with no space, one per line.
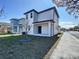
(14,19)
(56,11)
(5,23)
(50,9)
(17,19)
(43,11)
(30,11)
(46,10)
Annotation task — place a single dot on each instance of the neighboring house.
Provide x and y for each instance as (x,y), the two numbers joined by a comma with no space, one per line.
(18,25)
(43,23)
(4,27)
(76,28)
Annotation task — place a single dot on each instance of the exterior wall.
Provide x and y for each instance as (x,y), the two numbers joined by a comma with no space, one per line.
(44,28)
(56,19)
(22,23)
(35,15)
(30,23)
(56,24)
(52,27)
(48,28)
(18,25)
(4,27)
(55,29)
(35,31)
(13,23)
(45,15)
(14,29)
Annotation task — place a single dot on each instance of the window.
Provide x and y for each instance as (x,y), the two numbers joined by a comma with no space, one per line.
(31,15)
(26,16)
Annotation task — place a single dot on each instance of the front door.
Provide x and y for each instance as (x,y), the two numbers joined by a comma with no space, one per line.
(39,29)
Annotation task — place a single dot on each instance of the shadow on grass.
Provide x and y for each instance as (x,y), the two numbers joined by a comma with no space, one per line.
(34,49)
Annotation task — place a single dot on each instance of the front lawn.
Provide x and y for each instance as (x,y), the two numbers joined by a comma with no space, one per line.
(12,48)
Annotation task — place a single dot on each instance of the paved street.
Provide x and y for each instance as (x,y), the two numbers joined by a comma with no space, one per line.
(68,47)
(76,34)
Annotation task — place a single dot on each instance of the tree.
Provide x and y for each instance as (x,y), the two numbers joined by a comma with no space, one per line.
(76,27)
(72,6)
(28,27)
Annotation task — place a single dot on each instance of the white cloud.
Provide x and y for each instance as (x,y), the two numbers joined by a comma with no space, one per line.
(67,24)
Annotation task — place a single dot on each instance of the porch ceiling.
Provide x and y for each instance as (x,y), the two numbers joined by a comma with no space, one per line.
(45,21)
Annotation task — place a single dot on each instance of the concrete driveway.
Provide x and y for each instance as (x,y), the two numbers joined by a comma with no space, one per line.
(68,47)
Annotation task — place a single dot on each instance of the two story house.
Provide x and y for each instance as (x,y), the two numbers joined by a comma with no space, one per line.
(18,25)
(43,23)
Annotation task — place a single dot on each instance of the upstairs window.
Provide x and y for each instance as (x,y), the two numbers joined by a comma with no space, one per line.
(31,15)
(26,16)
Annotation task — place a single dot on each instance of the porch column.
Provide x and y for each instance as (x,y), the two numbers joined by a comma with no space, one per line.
(17,29)
(12,29)
(50,28)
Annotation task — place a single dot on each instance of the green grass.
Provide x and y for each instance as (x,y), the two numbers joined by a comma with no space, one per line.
(10,48)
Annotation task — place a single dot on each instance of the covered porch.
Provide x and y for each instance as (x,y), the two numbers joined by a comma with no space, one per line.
(43,28)
(18,29)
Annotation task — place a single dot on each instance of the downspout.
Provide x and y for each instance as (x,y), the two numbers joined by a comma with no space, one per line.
(53,23)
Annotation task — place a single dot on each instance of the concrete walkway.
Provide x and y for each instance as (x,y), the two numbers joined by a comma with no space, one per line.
(68,48)
(9,35)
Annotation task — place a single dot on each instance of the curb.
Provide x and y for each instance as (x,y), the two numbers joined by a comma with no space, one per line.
(47,56)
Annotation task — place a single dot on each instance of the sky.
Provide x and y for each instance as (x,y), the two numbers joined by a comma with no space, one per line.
(16,8)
